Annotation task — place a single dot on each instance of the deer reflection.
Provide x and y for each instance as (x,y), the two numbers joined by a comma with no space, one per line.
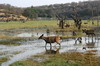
(55,50)
(90,45)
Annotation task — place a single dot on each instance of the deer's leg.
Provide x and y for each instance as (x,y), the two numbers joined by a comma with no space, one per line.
(59,44)
(88,37)
(85,39)
(50,46)
(75,41)
(46,48)
(45,45)
(95,37)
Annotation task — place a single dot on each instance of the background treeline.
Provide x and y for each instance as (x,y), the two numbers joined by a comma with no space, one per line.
(12,9)
(85,10)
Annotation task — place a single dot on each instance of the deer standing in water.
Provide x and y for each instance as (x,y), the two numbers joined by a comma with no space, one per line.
(89,32)
(50,39)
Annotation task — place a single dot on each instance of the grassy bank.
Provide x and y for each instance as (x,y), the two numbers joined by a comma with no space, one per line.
(64,59)
(39,23)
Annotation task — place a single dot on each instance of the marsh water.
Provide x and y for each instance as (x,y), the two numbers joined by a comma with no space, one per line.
(32,47)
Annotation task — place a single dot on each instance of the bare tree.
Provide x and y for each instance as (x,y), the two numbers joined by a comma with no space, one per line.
(60,15)
(76,18)
(61,19)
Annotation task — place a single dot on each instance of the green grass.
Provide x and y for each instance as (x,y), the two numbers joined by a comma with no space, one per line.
(28,24)
(26,63)
(38,23)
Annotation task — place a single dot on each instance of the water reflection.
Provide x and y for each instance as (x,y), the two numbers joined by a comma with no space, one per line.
(86,42)
(91,43)
(32,47)
(54,50)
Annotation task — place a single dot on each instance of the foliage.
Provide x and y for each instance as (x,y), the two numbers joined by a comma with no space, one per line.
(30,12)
(84,9)
(35,12)
(12,9)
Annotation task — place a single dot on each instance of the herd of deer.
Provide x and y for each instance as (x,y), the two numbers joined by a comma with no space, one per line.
(56,39)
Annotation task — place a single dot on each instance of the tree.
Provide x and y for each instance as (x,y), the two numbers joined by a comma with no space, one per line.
(30,12)
(61,19)
(76,18)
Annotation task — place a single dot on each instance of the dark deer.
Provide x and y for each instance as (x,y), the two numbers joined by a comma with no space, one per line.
(50,39)
(89,32)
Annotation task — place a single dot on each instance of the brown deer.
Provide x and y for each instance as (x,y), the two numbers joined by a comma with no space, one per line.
(50,39)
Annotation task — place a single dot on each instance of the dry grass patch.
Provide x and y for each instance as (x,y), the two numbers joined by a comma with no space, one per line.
(3,60)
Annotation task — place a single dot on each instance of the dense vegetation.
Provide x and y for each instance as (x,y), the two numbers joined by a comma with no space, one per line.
(85,9)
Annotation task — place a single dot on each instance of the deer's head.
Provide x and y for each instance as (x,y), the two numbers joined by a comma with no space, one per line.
(41,36)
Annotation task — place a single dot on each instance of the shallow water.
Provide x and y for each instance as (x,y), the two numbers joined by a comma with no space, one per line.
(30,48)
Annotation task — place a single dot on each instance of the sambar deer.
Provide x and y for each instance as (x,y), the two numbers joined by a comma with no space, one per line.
(50,39)
(89,32)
